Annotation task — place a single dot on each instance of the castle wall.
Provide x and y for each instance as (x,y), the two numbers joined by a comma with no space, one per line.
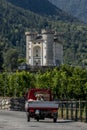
(43,51)
(58,50)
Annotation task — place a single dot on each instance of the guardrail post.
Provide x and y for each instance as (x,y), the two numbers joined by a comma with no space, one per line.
(80,109)
(67,110)
(62,109)
(86,112)
(71,110)
(76,112)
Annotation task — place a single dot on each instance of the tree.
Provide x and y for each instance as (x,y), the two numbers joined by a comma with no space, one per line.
(11,59)
(1,59)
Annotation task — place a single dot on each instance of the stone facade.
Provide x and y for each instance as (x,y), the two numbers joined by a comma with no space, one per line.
(43,49)
(17,104)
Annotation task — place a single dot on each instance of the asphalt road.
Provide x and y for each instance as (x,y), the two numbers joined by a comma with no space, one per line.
(11,120)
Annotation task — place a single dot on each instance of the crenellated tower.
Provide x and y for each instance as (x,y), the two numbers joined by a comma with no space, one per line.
(43,49)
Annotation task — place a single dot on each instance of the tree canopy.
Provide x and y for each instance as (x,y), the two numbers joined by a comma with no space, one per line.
(66,82)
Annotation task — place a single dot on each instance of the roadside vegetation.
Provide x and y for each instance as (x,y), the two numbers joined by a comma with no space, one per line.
(66,82)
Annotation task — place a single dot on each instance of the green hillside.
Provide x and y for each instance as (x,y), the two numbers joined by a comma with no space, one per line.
(77,8)
(14,21)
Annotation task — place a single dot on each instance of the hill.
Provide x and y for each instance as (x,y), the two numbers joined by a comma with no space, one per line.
(77,8)
(43,8)
(15,20)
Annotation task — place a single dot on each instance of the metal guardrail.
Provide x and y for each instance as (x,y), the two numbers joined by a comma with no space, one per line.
(73,110)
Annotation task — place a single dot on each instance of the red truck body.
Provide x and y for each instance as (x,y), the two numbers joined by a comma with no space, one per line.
(32,93)
(40,109)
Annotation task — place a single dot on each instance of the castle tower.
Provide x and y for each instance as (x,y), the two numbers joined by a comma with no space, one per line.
(43,49)
(30,36)
(48,38)
(58,49)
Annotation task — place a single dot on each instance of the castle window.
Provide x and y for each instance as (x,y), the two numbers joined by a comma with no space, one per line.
(29,57)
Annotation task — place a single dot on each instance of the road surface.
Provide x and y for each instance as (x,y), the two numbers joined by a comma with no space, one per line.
(14,120)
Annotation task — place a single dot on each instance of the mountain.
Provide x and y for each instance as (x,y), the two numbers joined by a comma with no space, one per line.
(77,8)
(43,8)
(38,6)
(16,17)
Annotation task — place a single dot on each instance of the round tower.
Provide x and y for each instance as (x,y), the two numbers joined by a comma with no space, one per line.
(58,48)
(48,37)
(30,36)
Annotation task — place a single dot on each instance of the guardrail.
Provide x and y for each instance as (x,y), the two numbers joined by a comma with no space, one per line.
(73,110)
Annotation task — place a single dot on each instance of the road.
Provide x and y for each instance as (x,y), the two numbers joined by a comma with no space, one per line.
(14,120)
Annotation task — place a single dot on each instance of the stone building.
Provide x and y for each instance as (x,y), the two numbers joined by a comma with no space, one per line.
(43,49)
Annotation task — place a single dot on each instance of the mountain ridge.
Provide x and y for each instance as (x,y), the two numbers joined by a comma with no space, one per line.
(43,8)
(77,8)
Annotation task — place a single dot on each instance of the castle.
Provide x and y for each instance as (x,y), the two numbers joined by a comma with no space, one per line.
(43,49)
